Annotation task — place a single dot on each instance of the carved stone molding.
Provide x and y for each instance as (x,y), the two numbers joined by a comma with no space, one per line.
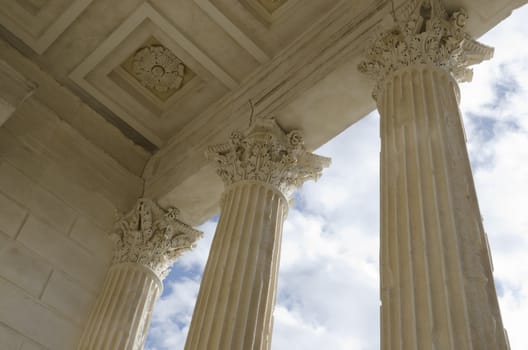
(151,236)
(266,153)
(158,69)
(269,11)
(427,34)
(272,5)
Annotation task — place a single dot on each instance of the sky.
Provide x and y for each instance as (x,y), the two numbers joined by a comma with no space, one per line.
(328,279)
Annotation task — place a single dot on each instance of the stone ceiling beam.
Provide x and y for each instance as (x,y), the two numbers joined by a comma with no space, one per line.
(313,85)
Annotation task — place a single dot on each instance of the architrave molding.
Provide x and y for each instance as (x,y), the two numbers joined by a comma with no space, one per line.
(267,16)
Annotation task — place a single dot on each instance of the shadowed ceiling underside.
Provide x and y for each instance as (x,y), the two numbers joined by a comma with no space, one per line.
(176,76)
(149,67)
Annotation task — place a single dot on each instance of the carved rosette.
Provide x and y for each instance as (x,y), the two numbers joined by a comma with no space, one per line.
(157,68)
(267,154)
(426,35)
(151,236)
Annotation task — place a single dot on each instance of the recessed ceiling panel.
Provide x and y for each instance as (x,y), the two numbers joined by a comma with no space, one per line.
(157,70)
(152,76)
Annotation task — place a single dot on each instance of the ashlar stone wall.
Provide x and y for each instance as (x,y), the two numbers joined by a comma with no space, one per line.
(58,196)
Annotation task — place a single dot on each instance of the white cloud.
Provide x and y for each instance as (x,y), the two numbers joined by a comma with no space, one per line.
(172,315)
(328,282)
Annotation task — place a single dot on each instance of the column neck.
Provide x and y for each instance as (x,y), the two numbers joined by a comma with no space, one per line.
(141,268)
(232,188)
(398,74)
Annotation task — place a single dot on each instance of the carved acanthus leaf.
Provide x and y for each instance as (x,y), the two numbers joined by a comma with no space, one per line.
(427,35)
(266,153)
(151,236)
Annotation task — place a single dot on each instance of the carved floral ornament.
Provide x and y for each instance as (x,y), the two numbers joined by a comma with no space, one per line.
(426,35)
(266,153)
(157,68)
(151,236)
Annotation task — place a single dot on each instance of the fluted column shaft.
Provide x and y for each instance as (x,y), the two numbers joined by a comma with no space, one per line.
(121,316)
(437,287)
(237,294)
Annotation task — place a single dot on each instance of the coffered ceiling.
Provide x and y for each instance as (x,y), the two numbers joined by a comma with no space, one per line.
(151,67)
(154,66)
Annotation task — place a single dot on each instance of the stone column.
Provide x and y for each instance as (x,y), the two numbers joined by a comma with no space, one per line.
(437,288)
(147,242)
(260,169)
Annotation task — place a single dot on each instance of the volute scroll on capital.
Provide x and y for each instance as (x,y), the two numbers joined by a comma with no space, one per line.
(265,153)
(151,236)
(428,35)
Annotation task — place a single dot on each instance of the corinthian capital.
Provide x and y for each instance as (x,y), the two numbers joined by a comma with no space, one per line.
(152,236)
(427,34)
(266,153)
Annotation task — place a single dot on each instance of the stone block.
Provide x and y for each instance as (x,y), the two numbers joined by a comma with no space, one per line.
(27,316)
(31,346)
(40,202)
(11,216)
(15,184)
(77,158)
(14,89)
(93,238)
(6,111)
(83,196)
(63,253)
(9,339)
(21,267)
(68,297)
(28,160)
